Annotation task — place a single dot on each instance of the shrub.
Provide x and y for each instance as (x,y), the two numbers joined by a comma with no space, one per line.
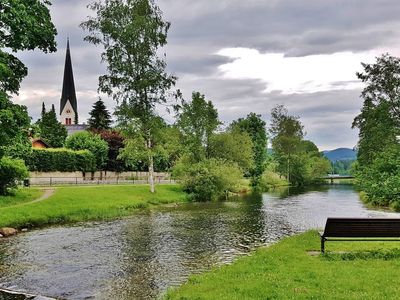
(11,170)
(115,142)
(211,179)
(61,160)
(271,179)
(380,180)
(92,142)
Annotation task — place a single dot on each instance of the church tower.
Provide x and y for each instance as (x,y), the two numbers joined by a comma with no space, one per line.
(68,103)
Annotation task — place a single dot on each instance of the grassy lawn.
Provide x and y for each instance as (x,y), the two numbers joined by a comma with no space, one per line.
(368,270)
(72,204)
(20,197)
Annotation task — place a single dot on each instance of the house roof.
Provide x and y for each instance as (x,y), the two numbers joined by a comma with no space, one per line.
(40,141)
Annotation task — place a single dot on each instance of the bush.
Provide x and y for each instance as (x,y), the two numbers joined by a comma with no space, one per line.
(92,142)
(115,142)
(11,170)
(61,160)
(270,179)
(380,180)
(211,179)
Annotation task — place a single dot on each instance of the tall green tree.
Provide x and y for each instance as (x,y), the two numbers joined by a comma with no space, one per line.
(51,130)
(377,166)
(255,127)
(233,146)
(197,120)
(24,25)
(133,34)
(287,134)
(100,118)
(379,120)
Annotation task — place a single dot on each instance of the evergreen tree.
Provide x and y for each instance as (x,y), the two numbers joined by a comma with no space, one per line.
(100,118)
(52,131)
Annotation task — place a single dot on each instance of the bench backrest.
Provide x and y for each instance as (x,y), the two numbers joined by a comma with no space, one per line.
(362,227)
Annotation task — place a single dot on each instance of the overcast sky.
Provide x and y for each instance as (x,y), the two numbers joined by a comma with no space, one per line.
(245,56)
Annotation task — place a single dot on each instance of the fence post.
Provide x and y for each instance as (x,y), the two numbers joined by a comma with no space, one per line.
(51,181)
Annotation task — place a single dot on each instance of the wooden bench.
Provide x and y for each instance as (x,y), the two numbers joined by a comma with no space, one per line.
(360,229)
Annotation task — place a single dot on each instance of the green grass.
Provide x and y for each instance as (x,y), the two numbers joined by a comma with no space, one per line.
(366,270)
(21,196)
(73,204)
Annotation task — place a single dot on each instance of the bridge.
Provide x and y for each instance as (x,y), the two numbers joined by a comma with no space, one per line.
(337,177)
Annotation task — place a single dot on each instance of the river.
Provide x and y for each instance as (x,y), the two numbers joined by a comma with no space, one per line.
(142,256)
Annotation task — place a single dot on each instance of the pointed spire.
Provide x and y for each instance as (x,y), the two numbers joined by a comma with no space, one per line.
(43,109)
(68,90)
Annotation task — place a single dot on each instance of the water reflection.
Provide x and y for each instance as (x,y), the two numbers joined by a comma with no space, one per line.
(142,256)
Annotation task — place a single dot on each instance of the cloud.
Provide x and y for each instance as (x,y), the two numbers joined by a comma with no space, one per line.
(310,34)
(292,75)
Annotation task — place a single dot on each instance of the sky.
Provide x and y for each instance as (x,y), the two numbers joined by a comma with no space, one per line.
(245,56)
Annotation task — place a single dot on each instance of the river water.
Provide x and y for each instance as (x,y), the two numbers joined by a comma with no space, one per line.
(142,256)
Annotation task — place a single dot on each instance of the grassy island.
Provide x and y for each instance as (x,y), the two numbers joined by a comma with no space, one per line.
(74,204)
(287,271)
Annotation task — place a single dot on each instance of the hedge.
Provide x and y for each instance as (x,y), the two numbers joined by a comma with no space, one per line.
(61,160)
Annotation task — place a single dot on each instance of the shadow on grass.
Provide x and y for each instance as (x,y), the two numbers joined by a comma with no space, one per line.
(363,255)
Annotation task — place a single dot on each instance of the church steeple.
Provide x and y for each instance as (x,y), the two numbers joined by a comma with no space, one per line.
(68,102)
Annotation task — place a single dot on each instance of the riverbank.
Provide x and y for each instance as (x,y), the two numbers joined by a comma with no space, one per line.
(288,270)
(83,203)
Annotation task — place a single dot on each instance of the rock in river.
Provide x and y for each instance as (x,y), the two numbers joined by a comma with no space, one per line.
(5,231)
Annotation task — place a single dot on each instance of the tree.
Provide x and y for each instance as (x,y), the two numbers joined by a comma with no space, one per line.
(115,142)
(211,179)
(166,147)
(379,120)
(11,170)
(287,134)
(132,34)
(197,121)
(14,121)
(24,25)
(100,118)
(378,165)
(233,146)
(51,131)
(87,141)
(254,126)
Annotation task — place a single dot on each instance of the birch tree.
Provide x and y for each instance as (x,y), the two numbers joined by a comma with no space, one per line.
(133,34)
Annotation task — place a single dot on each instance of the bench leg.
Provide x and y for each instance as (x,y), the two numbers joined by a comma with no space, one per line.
(322,244)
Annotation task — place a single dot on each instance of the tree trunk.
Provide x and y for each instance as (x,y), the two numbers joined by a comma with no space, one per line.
(151,174)
(151,169)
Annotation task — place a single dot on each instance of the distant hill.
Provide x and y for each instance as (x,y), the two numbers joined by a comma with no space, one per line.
(340,154)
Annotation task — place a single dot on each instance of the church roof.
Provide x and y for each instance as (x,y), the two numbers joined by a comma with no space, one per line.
(68,89)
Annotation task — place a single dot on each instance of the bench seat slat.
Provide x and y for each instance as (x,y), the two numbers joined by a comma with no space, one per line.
(344,227)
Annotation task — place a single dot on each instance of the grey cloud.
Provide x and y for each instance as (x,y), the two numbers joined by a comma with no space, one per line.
(284,25)
(201,28)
